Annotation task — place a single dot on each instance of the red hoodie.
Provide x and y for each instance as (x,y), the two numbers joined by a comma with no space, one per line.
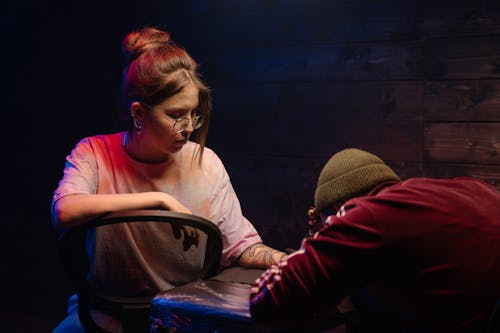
(430,247)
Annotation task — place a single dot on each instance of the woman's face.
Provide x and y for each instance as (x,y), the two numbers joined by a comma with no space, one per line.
(158,137)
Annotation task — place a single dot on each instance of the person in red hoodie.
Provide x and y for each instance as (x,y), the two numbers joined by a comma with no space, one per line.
(427,249)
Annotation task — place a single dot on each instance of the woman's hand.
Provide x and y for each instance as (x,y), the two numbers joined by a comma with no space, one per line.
(168,202)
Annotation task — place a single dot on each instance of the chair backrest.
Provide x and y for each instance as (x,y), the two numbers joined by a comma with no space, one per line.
(195,248)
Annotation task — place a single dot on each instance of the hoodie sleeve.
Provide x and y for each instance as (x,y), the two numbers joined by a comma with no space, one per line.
(319,275)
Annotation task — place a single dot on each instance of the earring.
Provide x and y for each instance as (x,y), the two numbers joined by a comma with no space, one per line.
(138,126)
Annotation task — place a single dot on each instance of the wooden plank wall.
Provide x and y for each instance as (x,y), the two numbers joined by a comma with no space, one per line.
(416,82)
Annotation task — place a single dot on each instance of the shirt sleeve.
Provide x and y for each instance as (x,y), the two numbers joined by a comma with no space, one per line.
(317,277)
(237,232)
(80,172)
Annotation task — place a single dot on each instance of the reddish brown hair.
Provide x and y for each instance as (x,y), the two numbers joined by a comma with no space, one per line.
(157,69)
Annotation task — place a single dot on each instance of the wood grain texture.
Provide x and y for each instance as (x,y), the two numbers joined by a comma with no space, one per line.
(464,57)
(322,101)
(294,137)
(414,82)
(348,62)
(488,173)
(462,143)
(473,100)
(242,24)
(460,18)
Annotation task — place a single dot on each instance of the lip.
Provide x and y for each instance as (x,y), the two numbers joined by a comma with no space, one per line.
(181,142)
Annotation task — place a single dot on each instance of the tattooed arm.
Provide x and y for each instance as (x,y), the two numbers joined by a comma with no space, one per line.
(260,256)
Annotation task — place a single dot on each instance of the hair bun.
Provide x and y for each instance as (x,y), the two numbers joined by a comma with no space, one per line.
(139,41)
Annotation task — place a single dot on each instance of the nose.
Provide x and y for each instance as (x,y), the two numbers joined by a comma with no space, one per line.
(188,127)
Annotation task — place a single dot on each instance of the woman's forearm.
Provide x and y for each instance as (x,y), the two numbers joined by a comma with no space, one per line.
(260,256)
(73,210)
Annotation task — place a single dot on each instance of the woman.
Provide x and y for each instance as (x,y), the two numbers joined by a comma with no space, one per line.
(154,165)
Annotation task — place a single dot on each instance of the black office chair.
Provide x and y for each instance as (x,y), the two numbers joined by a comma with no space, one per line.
(72,246)
(221,305)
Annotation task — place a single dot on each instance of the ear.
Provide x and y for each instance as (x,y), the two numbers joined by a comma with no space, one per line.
(136,110)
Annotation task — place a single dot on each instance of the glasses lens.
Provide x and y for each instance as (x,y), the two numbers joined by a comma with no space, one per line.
(197,121)
(182,123)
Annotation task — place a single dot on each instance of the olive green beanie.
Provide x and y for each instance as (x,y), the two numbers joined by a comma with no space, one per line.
(347,174)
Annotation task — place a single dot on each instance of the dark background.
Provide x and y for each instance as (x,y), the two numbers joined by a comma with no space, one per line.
(416,82)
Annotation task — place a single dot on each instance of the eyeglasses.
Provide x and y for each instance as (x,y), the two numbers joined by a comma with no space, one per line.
(313,220)
(182,123)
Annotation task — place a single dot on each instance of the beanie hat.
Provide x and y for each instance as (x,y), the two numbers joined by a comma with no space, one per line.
(349,173)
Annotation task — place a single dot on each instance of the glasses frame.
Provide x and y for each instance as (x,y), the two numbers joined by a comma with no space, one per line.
(196,121)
